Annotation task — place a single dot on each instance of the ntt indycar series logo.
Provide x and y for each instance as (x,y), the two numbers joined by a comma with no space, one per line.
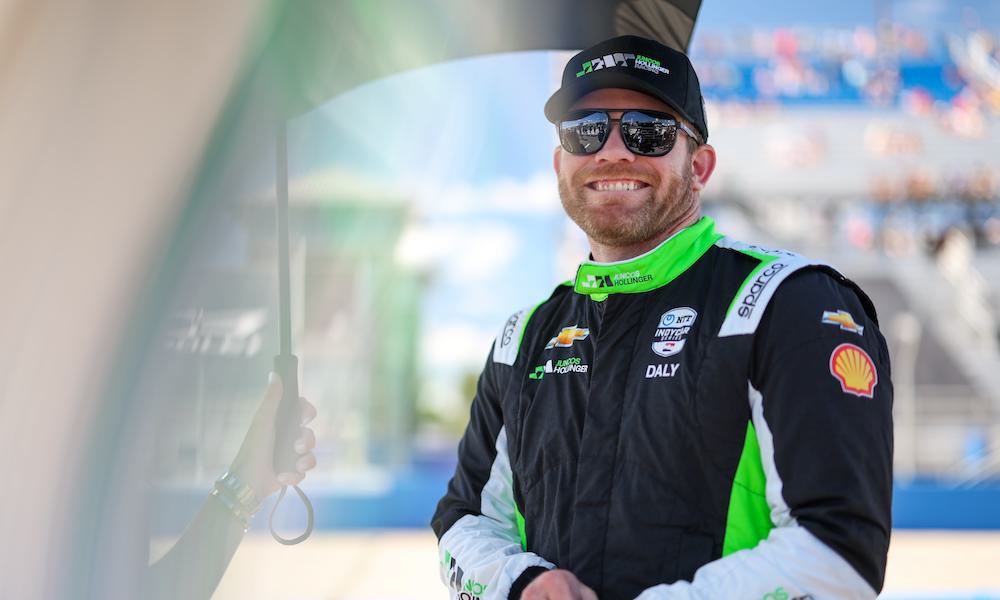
(672,330)
(748,301)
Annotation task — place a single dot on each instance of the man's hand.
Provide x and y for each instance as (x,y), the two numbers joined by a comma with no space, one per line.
(254,461)
(557,584)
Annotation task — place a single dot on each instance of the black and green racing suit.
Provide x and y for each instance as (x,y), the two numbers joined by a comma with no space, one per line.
(711,419)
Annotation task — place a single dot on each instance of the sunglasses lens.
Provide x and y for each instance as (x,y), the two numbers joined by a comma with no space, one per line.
(584,135)
(648,135)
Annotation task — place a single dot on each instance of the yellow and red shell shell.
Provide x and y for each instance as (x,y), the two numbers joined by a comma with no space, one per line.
(854,369)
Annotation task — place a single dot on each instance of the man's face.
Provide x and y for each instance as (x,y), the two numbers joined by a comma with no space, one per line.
(618,198)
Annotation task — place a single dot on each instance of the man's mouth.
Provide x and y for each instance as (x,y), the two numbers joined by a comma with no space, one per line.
(616,185)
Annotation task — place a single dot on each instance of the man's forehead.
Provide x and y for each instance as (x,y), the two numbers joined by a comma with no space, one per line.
(621,98)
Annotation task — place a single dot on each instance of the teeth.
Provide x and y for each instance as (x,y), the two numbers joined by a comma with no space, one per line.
(616,186)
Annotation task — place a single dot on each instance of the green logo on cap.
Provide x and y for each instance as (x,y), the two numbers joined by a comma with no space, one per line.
(615,59)
(650,64)
(646,59)
(621,59)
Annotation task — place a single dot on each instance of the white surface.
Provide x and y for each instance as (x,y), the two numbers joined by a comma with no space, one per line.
(402,565)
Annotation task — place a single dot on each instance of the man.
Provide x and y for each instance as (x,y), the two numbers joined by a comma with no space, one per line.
(692,416)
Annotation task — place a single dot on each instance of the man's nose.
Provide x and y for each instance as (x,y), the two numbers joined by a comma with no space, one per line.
(614,149)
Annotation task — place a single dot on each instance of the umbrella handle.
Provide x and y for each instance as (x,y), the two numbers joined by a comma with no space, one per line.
(287,422)
(287,428)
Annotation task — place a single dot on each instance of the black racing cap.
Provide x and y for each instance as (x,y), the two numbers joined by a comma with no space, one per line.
(632,63)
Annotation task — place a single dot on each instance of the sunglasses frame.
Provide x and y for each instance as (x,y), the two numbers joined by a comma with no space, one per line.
(579,114)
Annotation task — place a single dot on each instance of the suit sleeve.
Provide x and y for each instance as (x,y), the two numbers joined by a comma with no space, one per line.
(821,404)
(475,522)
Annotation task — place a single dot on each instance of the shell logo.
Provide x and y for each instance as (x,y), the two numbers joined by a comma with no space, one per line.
(567,336)
(854,369)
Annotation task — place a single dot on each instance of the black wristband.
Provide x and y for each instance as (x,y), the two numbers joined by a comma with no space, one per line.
(523,580)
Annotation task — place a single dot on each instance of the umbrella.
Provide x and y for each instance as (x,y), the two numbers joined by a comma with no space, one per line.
(320,49)
(123,129)
(324,48)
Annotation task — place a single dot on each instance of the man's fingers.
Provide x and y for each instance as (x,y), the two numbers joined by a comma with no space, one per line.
(307,410)
(562,588)
(535,590)
(306,441)
(557,584)
(534,593)
(586,593)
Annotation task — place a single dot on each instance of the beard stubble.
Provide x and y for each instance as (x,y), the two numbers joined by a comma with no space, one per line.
(658,211)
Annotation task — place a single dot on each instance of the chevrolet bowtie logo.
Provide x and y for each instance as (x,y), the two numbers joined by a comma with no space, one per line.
(843,319)
(567,336)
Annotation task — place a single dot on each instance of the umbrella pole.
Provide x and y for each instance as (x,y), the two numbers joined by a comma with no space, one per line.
(286,365)
(284,280)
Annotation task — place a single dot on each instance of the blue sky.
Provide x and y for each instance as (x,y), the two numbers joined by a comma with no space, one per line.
(923,14)
(470,120)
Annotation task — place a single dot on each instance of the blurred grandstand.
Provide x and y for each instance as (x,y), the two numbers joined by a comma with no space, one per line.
(901,128)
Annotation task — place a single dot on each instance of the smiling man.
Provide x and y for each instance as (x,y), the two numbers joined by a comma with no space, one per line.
(689,417)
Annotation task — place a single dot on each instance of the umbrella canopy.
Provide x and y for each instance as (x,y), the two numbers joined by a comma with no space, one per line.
(321,49)
(200,94)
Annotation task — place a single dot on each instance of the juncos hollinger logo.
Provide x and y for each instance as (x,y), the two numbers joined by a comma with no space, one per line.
(621,59)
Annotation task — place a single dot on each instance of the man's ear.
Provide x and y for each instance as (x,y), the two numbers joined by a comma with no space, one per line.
(702,166)
(556,157)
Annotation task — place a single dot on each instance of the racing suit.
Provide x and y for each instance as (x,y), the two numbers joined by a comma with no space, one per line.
(711,419)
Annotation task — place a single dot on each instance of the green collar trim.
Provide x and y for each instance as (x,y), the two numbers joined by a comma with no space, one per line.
(651,270)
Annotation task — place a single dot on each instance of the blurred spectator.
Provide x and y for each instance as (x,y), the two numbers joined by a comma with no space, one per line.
(888,66)
(954,82)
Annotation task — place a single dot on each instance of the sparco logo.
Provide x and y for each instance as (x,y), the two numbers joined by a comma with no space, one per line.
(749,301)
